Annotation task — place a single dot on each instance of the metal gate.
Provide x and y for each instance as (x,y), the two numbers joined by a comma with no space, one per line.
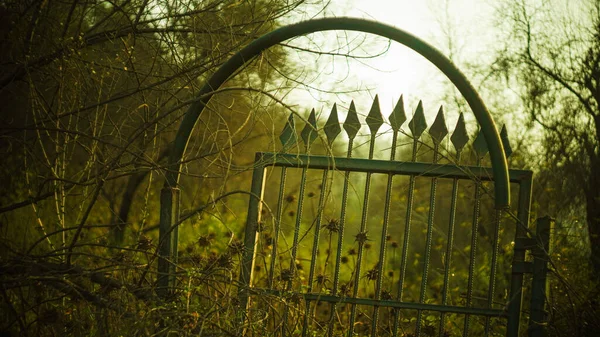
(322,261)
(432,261)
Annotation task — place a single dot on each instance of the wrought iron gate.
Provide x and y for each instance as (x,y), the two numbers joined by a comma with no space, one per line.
(341,268)
(340,289)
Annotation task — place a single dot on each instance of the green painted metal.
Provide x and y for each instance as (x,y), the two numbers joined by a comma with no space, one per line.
(374,121)
(392,304)
(437,131)
(277,36)
(351,126)
(494,262)
(499,165)
(169,227)
(481,149)
(459,139)
(347,296)
(383,166)
(250,238)
(332,127)
(391,168)
(516,283)
(539,288)
(397,118)
(313,296)
(487,141)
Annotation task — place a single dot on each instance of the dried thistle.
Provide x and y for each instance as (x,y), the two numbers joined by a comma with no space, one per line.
(225,261)
(372,274)
(236,247)
(204,240)
(321,279)
(287,275)
(333,226)
(361,237)
(386,295)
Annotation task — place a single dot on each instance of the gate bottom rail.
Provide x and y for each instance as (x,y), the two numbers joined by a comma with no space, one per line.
(382,303)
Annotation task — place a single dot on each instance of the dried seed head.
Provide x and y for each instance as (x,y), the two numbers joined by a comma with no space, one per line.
(345,289)
(290,198)
(361,237)
(225,261)
(204,240)
(321,279)
(287,275)
(236,247)
(372,274)
(332,226)
(386,295)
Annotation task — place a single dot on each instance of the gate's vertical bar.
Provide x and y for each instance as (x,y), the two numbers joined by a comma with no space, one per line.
(438,132)
(496,242)
(374,121)
(539,286)
(277,229)
(168,236)
(331,129)
(315,249)
(250,238)
(308,134)
(287,138)
(493,267)
(459,139)
(481,149)
(351,125)
(417,125)
(397,118)
(516,282)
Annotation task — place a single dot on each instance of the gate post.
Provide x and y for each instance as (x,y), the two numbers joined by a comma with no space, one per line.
(168,237)
(539,286)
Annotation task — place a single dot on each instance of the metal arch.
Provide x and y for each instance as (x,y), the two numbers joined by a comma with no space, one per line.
(498,159)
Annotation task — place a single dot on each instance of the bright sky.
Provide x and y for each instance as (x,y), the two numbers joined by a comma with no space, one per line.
(402,71)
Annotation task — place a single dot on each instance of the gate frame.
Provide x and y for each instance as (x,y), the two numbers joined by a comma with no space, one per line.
(538,243)
(170,193)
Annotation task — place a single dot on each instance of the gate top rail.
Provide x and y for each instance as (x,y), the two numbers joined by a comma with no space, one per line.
(488,128)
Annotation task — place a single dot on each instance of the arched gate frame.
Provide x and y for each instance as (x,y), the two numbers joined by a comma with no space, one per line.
(170,196)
